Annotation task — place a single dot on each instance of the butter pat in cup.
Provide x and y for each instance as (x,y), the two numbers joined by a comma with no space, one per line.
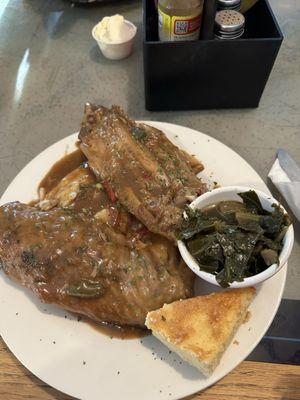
(115,37)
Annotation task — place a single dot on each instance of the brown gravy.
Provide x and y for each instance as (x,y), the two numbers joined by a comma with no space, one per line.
(62,168)
(116,331)
(58,171)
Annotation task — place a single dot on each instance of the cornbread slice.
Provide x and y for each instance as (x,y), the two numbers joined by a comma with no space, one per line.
(200,329)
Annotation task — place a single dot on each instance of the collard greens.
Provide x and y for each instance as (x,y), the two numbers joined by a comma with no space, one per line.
(234,240)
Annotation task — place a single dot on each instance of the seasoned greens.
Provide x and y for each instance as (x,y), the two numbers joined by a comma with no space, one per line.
(234,240)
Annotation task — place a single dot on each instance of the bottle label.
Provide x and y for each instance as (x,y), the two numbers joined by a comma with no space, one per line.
(178,27)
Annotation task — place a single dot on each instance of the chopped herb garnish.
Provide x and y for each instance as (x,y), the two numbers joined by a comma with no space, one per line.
(36,246)
(84,289)
(81,249)
(183,180)
(138,133)
(28,258)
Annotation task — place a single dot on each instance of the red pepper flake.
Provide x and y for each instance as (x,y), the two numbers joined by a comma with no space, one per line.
(109,191)
(141,233)
(146,175)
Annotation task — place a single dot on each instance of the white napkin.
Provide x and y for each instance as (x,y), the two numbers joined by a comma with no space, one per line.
(286,177)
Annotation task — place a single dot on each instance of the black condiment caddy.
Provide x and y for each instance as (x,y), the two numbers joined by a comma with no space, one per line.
(205,74)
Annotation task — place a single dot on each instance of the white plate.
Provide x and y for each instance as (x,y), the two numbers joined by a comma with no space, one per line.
(54,348)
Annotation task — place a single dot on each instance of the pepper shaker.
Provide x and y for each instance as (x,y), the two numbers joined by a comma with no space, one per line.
(229,5)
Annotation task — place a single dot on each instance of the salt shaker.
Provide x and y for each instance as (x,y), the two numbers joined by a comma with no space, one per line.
(229,24)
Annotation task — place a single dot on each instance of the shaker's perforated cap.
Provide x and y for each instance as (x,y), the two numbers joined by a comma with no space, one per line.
(229,24)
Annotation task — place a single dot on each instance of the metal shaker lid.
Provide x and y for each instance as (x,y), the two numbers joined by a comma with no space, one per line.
(229,5)
(229,21)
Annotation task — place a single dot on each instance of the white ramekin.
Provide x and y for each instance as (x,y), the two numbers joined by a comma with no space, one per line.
(230,193)
(116,51)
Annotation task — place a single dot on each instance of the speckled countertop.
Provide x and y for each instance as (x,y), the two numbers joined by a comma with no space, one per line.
(50,66)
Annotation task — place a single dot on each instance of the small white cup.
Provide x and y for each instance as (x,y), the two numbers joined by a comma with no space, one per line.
(116,51)
(231,193)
